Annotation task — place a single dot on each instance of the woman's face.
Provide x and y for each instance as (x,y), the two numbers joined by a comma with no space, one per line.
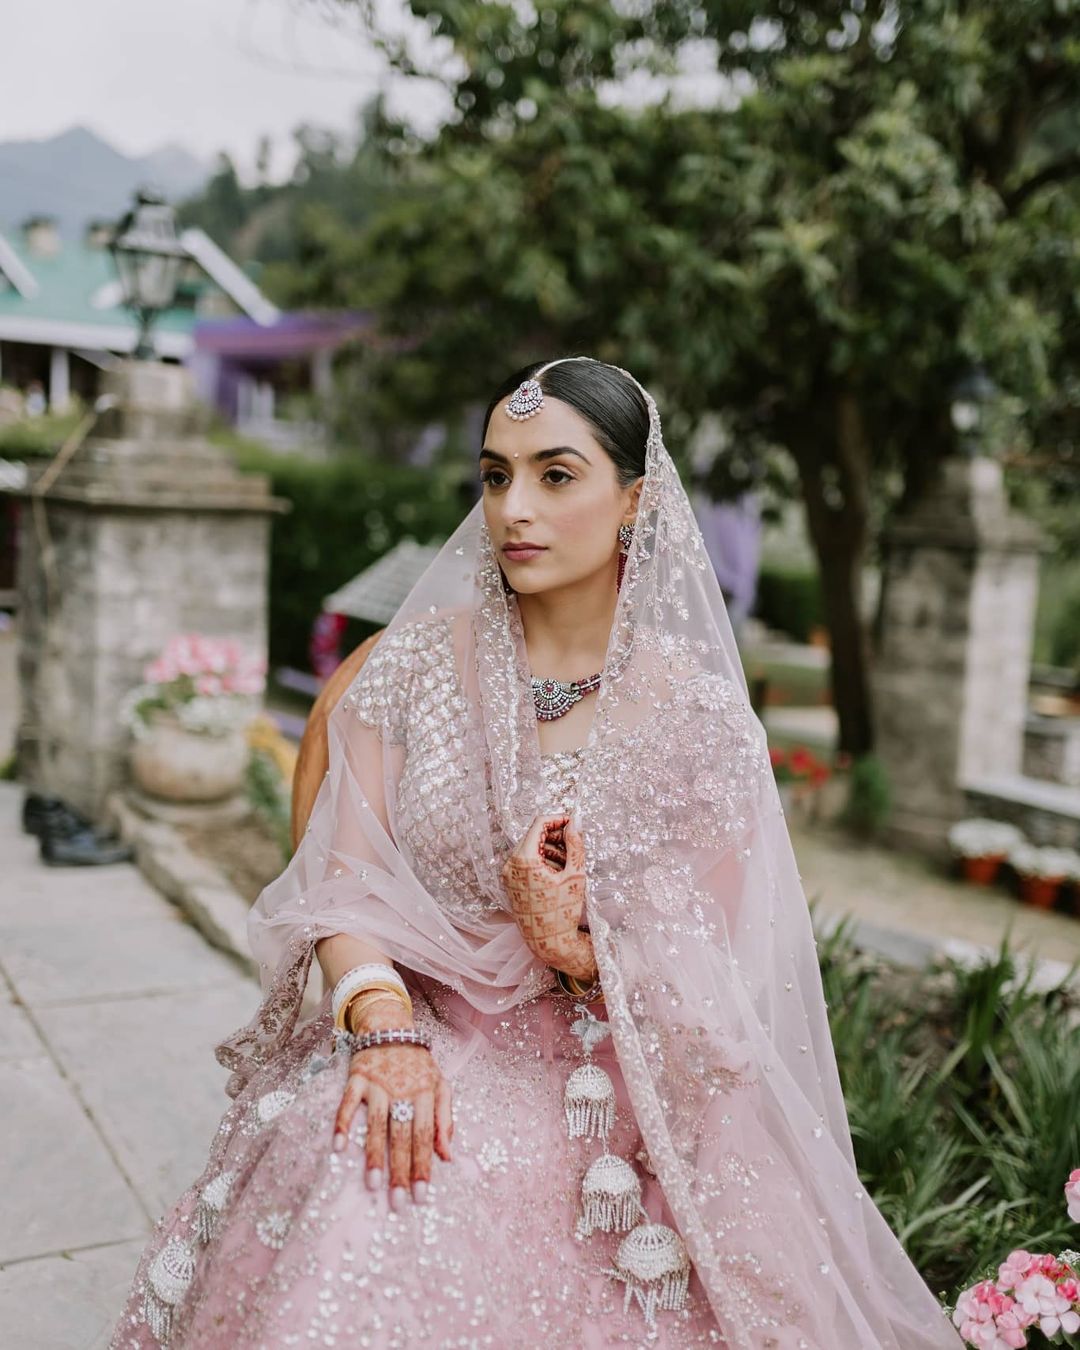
(548,481)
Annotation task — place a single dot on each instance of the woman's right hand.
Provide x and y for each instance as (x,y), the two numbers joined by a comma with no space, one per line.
(390,1073)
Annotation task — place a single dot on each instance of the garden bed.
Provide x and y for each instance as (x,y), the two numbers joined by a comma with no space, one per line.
(245,850)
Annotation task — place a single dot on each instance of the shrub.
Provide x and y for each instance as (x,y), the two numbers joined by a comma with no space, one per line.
(345,514)
(1065,630)
(962,1086)
(789,600)
(869,798)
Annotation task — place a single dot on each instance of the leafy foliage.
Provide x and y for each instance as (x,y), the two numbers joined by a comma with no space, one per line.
(867,200)
(345,514)
(872,199)
(963,1093)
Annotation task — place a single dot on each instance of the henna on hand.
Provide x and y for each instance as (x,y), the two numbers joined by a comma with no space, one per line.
(384,1074)
(545,881)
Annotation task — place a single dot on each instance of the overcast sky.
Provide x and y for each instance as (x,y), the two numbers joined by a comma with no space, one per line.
(207,74)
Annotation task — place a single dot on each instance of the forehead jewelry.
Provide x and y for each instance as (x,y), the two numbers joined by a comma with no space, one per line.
(526,401)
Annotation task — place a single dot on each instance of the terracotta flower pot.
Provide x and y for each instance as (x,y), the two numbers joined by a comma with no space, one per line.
(179,765)
(1040,891)
(983,871)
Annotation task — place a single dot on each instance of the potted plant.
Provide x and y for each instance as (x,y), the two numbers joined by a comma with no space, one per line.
(982,846)
(189,717)
(1041,872)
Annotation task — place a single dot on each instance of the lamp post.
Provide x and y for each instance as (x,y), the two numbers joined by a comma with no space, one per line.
(148,257)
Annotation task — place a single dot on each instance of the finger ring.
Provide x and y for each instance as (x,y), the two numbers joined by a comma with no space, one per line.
(402,1111)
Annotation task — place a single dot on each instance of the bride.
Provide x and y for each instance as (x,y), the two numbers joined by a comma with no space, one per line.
(573,1082)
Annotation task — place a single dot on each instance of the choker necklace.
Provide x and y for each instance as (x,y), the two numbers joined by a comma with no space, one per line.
(552,698)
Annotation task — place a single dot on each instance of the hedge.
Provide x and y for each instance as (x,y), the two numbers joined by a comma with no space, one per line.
(345,514)
(789,600)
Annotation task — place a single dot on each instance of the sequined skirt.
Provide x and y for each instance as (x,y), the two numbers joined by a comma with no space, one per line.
(279,1243)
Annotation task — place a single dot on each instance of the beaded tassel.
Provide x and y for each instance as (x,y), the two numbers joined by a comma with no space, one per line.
(212,1201)
(589,1103)
(610,1196)
(168,1278)
(652,1260)
(653,1263)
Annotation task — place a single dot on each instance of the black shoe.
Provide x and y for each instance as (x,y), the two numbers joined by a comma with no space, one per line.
(43,814)
(53,816)
(83,848)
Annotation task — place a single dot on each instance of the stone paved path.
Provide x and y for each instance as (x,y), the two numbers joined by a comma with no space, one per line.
(904,904)
(110,1006)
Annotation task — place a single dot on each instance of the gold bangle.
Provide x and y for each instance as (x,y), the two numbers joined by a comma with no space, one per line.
(578,989)
(379,989)
(361,1006)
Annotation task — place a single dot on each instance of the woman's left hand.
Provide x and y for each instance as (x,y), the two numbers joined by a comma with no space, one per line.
(545,880)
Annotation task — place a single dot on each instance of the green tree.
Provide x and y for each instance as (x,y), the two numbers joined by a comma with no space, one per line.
(875,197)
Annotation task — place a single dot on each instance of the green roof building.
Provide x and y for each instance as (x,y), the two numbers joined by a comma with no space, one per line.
(61,314)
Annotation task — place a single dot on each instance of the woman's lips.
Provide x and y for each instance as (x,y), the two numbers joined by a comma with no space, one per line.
(522,554)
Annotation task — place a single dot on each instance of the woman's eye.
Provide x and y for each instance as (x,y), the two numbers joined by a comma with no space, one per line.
(495,477)
(565,478)
(490,475)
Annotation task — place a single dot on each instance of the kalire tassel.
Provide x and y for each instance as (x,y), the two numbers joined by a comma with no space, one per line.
(168,1277)
(653,1263)
(610,1196)
(212,1201)
(589,1102)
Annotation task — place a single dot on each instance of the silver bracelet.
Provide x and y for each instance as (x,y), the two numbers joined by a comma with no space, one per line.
(389,1036)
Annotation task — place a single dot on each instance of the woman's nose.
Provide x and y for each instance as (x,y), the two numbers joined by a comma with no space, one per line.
(516,501)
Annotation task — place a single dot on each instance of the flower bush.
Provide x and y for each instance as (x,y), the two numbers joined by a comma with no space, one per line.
(981,838)
(210,685)
(1032,1295)
(798,765)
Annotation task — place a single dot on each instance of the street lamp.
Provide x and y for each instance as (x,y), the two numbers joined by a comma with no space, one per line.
(148,258)
(971,396)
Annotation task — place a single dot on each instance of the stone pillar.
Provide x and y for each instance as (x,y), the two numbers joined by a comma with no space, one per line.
(146,532)
(59,379)
(953,647)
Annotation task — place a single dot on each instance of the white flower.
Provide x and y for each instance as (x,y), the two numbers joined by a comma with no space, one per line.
(1052,864)
(981,838)
(1038,1296)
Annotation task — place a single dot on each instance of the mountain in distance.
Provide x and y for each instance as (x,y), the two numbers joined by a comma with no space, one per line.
(77,177)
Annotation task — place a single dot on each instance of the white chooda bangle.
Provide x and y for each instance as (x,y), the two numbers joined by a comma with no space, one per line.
(373,974)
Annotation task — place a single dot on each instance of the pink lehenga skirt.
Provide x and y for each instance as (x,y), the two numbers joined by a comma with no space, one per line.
(279,1243)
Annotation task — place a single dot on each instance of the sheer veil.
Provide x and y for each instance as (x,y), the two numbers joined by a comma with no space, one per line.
(697,913)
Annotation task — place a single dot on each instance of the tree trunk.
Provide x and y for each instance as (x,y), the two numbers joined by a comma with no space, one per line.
(836,492)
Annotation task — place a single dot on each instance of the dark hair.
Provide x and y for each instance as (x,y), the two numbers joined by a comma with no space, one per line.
(608,401)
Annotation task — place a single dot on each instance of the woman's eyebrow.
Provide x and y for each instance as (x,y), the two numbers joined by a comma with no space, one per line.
(536,455)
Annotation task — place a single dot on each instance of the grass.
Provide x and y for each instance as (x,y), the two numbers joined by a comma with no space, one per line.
(963,1094)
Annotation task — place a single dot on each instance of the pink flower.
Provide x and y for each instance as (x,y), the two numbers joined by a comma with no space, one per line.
(989,1319)
(1069,1289)
(1038,1297)
(1016,1267)
(1010,1328)
(1072,1194)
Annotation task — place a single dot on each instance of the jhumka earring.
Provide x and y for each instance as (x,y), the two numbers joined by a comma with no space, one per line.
(626,535)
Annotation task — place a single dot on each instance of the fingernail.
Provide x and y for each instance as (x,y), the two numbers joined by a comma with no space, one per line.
(374,1178)
(419,1192)
(398,1196)
(339,1143)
